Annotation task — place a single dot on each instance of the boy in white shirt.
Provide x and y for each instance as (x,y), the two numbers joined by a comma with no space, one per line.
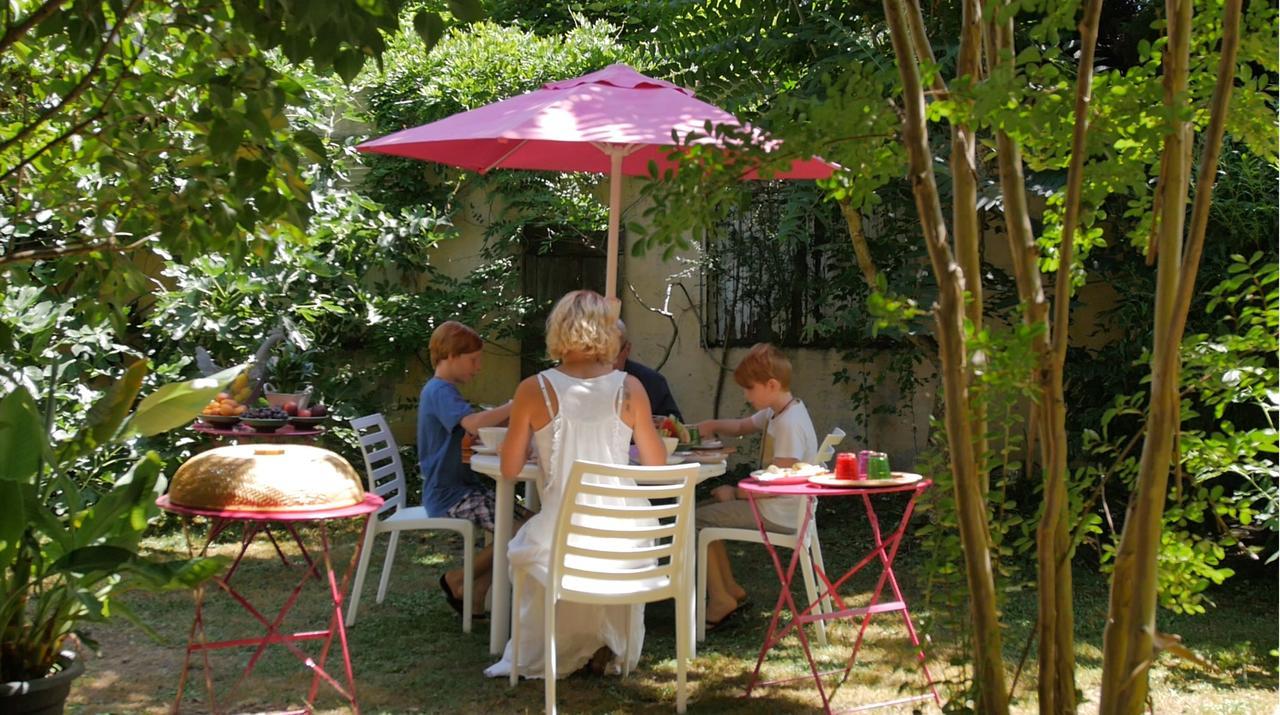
(765,378)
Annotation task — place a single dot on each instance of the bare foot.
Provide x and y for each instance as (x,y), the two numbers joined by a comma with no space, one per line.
(717,609)
(739,593)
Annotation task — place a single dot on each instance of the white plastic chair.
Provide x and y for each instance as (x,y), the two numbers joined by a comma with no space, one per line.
(386,479)
(827,449)
(810,555)
(626,583)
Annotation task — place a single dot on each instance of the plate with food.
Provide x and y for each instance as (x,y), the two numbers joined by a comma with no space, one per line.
(219,420)
(798,473)
(896,479)
(678,457)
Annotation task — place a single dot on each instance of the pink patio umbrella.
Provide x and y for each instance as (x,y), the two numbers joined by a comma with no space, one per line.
(613,121)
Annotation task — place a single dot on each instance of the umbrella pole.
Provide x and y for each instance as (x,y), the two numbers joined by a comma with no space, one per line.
(615,209)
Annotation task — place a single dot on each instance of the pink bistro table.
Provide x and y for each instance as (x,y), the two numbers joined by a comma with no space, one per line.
(247,434)
(252,524)
(885,549)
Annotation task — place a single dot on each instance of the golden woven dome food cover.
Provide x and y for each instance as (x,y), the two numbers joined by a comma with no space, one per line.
(256,477)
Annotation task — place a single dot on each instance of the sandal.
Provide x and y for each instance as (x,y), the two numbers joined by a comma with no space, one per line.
(727,619)
(454,601)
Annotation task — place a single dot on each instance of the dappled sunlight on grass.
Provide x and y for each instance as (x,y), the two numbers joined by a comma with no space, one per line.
(410,654)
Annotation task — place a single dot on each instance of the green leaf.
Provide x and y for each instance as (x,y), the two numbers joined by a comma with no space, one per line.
(22,437)
(178,403)
(429,27)
(88,559)
(119,607)
(311,142)
(178,575)
(347,64)
(107,414)
(12,521)
(121,514)
(466,10)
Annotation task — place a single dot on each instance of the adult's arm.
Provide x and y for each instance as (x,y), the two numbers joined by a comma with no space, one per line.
(522,408)
(636,412)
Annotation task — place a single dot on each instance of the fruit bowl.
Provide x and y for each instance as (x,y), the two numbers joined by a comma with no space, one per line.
(264,424)
(219,420)
(307,422)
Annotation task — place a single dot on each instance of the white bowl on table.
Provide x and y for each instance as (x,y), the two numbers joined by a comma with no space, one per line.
(492,437)
(670,444)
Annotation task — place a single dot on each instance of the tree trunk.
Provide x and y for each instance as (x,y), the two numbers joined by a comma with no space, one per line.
(1128,641)
(853,219)
(964,212)
(949,315)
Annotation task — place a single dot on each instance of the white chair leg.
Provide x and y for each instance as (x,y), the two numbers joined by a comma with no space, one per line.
(626,641)
(811,591)
(815,552)
(549,649)
(517,586)
(386,565)
(700,601)
(684,642)
(468,576)
(366,551)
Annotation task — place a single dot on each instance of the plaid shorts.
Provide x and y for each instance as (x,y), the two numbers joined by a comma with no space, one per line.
(480,507)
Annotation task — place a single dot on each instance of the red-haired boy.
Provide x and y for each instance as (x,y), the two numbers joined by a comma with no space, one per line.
(765,378)
(449,487)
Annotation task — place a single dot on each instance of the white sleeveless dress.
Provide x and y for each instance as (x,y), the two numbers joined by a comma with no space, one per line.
(586,426)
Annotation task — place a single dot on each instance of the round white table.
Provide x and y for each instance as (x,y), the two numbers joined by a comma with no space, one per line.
(489,465)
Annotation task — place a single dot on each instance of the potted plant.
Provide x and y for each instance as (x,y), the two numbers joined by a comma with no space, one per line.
(70,524)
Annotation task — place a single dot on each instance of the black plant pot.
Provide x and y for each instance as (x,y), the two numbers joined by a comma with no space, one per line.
(42,696)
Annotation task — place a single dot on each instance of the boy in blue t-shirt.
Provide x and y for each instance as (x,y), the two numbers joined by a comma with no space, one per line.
(449,487)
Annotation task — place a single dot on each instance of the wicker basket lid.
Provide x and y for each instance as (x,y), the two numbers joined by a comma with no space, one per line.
(254,477)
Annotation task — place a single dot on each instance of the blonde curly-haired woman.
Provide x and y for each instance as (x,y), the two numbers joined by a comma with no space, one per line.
(581,409)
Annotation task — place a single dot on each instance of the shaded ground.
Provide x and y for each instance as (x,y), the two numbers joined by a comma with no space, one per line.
(411,656)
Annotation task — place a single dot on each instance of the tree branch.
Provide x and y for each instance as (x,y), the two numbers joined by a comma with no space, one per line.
(923,48)
(70,132)
(1075,177)
(853,218)
(37,16)
(1208,169)
(80,87)
(45,254)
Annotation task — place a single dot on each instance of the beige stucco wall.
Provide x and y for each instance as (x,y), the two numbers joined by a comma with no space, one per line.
(663,288)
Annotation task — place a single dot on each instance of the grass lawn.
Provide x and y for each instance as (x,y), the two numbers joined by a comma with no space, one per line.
(411,655)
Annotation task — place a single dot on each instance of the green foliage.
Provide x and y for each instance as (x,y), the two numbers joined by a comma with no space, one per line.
(71,523)
(164,125)
(1004,385)
(1226,489)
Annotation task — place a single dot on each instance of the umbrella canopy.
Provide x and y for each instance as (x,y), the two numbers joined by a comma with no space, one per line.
(613,121)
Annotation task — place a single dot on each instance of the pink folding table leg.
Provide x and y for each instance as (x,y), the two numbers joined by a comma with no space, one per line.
(772,638)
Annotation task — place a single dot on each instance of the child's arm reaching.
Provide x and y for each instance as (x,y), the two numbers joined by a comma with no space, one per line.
(727,427)
(487,418)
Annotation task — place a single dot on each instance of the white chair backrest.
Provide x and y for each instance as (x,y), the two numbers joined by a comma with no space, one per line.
(608,535)
(827,449)
(384,470)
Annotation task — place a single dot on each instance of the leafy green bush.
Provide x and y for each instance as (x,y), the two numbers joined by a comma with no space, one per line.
(1225,492)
